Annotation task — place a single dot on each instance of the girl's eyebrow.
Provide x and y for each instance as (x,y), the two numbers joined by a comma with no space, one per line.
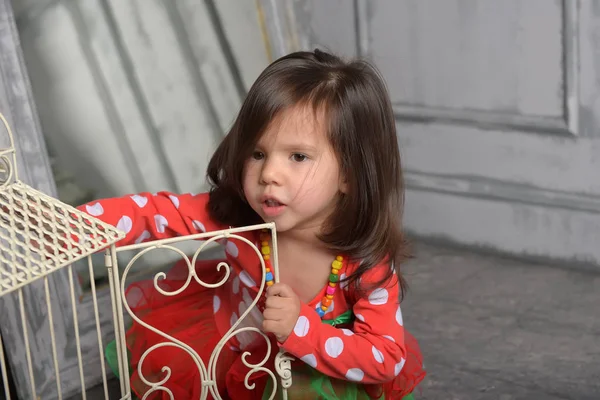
(294,146)
(300,147)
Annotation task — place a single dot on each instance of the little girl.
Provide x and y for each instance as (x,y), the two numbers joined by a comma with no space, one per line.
(314,150)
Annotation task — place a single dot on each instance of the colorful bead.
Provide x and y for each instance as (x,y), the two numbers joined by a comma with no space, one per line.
(336,265)
(266,251)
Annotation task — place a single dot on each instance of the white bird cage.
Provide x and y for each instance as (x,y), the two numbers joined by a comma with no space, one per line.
(39,235)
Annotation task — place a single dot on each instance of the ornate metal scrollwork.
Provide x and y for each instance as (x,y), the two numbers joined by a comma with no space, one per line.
(207,371)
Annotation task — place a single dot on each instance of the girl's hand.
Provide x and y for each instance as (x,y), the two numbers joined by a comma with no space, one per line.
(282,309)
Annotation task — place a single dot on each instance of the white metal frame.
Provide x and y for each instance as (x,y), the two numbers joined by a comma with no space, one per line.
(40,235)
(207,371)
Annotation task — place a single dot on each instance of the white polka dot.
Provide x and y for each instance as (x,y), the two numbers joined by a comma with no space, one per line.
(232,249)
(124,224)
(236,285)
(302,326)
(242,308)
(377,354)
(161,223)
(233,319)
(399,316)
(334,346)
(145,235)
(95,209)
(310,359)
(141,201)
(360,317)
(343,284)
(85,239)
(216,304)
(355,374)
(347,332)
(246,296)
(247,279)
(174,200)
(399,367)
(378,297)
(388,337)
(198,226)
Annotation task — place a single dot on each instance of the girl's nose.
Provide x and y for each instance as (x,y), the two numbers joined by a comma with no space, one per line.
(270,173)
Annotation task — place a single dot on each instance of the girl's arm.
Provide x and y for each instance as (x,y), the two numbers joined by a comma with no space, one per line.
(147,216)
(373,352)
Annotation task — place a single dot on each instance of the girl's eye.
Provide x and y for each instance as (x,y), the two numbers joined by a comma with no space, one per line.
(258,155)
(299,157)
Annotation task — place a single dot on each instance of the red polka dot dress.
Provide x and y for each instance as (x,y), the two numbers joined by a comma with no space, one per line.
(358,349)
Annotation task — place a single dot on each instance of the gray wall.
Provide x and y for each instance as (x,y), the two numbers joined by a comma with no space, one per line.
(496,102)
(497,112)
(134,95)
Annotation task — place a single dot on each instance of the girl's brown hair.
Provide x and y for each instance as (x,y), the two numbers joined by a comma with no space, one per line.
(366,225)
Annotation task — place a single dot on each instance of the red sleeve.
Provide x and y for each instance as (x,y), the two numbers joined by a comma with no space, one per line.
(147,216)
(373,352)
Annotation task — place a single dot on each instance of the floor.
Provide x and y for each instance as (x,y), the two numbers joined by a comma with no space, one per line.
(498,329)
(492,328)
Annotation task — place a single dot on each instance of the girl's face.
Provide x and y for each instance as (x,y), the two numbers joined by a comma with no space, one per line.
(293,177)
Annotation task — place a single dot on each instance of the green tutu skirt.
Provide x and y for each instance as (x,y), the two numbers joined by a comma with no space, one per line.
(308,384)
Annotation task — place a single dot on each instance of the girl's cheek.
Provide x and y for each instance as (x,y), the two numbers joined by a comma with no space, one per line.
(250,173)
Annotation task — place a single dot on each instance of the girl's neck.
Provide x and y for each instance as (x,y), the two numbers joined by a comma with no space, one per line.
(304,247)
(300,240)
(304,263)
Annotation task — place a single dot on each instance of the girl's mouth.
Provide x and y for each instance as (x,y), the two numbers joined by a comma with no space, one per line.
(272,203)
(272,208)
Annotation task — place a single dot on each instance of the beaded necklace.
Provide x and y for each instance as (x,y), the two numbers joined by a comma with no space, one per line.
(334,277)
